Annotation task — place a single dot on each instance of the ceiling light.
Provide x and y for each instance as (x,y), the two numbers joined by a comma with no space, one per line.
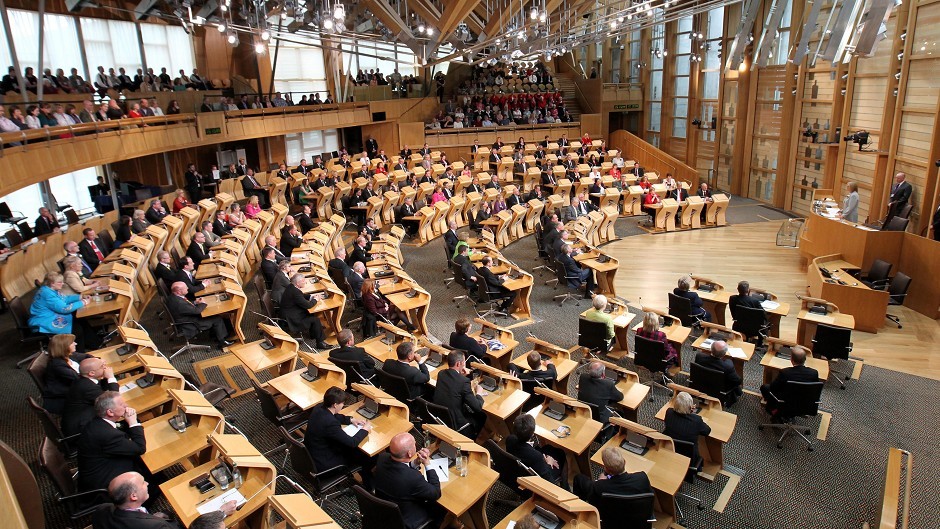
(259,48)
(542,16)
(221,28)
(534,13)
(283,15)
(223,8)
(232,38)
(327,24)
(265,35)
(339,12)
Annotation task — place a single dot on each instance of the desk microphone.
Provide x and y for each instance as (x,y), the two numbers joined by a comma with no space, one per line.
(293,483)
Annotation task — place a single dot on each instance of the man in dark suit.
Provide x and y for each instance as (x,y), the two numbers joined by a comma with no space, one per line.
(460,340)
(356,277)
(536,194)
(198,249)
(304,220)
(338,262)
(92,250)
(615,479)
(281,280)
(466,266)
(372,147)
(494,284)
(45,222)
(454,392)
(251,187)
(327,443)
(219,227)
(450,237)
(290,238)
(271,242)
(579,276)
(407,210)
(743,299)
(396,480)
(95,378)
(186,311)
(542,370)
(359,252)
(186,274)
(155,212)
(193,182)
(350,353)
(415,377)
(129,493)
(405,153)
(547,461)
(303,168)
(598,390)
(515,199)
(900,195)
(104,450)
(778,389)
(295,307)
(636,170)
(164,269)
(283,173)
(71,249)
(717,359)
(269,266)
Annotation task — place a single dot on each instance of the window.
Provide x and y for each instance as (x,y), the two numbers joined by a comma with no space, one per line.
(157,46)
(306,145)
(300,70)
(654,93)
(72,188)
(61,47)
(111,43)
(683,63)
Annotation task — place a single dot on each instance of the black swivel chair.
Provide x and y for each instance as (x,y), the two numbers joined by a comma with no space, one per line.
(378,513)
(752,323)
(800,399)
(696,462)
(431,413)
(50,427)
(326,482)
(833,344)
(562,277)
(353,376)
(621,511)
(490,298)
(28,336)
(681,308)
(395,386)
(607,430)
(510,469)
(288,417)
(448,252)
(593,336)
(187,331)
(78,504)
(896,224)
(897,292)
(877,275)
(461,280)
(651,355)
(710,382)
(542,253)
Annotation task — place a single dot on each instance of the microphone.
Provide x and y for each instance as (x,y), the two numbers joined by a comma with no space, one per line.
(474,358)
(293,483)
(265,316)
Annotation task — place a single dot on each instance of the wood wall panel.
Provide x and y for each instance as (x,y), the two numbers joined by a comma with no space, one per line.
(916,136)
(860,168)
(411,134)
(868,104)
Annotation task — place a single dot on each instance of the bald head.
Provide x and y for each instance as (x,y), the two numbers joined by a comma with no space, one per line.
(270,240)
(92,368)
(402,447)
(179,288)
(797,355)
(128,490)
(719,349)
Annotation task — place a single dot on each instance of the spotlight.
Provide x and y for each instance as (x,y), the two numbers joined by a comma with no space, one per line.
(259,48)
(328,24)
(429,30)
(534,13)
(233,39)
(223,8)
(543,16)
(420,28)
(221,28)
(265,35)
(339,12)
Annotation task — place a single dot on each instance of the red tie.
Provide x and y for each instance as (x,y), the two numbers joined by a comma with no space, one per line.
(97,251)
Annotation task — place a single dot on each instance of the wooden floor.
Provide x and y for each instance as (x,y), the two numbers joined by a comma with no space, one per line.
(650,265)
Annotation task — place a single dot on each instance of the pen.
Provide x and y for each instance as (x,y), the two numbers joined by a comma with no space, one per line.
(200,502)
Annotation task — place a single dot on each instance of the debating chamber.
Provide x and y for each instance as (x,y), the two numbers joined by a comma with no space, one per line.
(688,273)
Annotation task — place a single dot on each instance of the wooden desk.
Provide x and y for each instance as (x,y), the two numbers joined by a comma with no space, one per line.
(501,357)
(691,217)
(665,215)
(502,404)
(622,318)
(303,393)
(665,468)
(465,497)
(278,360)
(736,341)
(866,305)
(300,512)
(391,420)
(415,307)
(716,208)
(583,429)
(721,422)
(233,308)
(604,273)
(155,396)
(772,365)
(675,333)
(575,512)
(377,347)
(807,321)
(166,446)
(564,365)
(628,383)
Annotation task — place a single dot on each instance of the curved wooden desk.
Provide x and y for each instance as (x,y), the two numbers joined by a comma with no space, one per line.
(851,295)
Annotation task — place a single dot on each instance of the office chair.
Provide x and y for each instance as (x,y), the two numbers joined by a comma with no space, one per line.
(461,280)
(800,399)
(651,355)
(896,224)
(187,331)
(833,344)
(510,469)
(877,275)
(289,417)
(897,292)
(542,254)
(353,376)
(563,279)
(28,335)
(905,212)
(622,511)
(607,430)
(50,427)
(324,481)
(260,286)
(378,513)
(696,462)
(448,266)
(592,335)
(681,308)
(752,323)
(436,414)
(395,386)
(37,370)
(488,297)
(710,382)
(77,504)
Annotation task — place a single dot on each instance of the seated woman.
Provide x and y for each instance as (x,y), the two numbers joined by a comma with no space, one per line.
(61,372)
(139,222)
(482,214)
(124,232)
(374,303)
(380,168)
(75,283)
(684,424)
(438,195)
(684,289)
(650,331)
(648,200)
(305,193)
(253,207)
(235,215)
(52,312)
(499,204)
(644,182)
(180,202)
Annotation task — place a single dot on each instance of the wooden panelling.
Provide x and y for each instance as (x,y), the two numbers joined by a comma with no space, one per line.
(883,59)
(868,103)
(923,88)
(411,134)
(407,110)
(916,135)
(650,158)
(591,123)
(860,168)
(919,258)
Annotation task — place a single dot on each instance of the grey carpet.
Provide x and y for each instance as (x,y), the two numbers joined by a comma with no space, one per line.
(837,486)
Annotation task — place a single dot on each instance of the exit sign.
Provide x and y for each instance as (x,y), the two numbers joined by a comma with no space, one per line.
(630,106)
(213,130)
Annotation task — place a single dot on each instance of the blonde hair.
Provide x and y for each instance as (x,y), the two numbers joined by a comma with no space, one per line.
(650,322)
(683,403)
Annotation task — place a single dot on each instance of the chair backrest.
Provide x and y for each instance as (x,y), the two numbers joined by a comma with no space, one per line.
(832,342)
(801,399)
(25,230)
(37,370)
(71,216)
(260,285)
(482,289)
(54,462)
(377,513)
(162,288)
(300,459)
(267,304)
(269,407)
(620,511)
(351,367)
(336,275)
(687,449)
(448,252)
(50,426)
(592,334)
(459,276)
(510,467)
(13,237)
(680,307)
(649,354)
(707,380)
(879,270)
(436,414)
(20,313)
(896,224)
(897,289)
(560,273)
(749,321)
(905,212)
(394,385)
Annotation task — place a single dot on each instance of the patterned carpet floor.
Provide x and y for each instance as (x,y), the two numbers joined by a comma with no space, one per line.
(837,486)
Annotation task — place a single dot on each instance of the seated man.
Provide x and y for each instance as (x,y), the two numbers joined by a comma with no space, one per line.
(596,313)
(401,366)
(598,390)
(284,272)
(547,461)
(186,311)
(466,266)
(356,278)
(397,481)
(128,491)
(251,187)
(615,479)
(95,378)
(743,299)
(106,451)
(683,290)
(295,308)
(460,340)
(269,266)
(164,269)
(494,284)
(454,392)
(338,262)
(328,444)
(408,210)
(187,275)
(542,370)
(719,360)
(777,389)
(198,250)
(577,276)
(350,353)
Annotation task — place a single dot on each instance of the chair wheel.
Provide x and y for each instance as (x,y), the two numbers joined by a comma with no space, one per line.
(808,431)
(810,448)
(760,428)
(700,507)
(779,445)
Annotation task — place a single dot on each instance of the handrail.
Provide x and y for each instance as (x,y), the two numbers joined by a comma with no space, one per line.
(95,127)
(295,109)
(539,126)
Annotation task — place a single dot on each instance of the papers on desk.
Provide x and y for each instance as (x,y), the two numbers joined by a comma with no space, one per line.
(769,305)
(736,352)
(299,256)
(623,320)
(707,344)
(127,387)
(495,345)
(215,504)
(351,429)
(439,466)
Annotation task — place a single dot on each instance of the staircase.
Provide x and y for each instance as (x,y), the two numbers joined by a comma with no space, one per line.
(566,86)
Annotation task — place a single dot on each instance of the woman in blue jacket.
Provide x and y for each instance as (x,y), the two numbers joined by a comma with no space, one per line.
(53,312)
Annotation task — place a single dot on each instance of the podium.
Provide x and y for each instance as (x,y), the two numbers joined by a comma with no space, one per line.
(666,215)
(633,201)
(472,203)
(275,353)
(516,228)
(563,189)
(610,198)
(715,214)
(424,192)
(232,308)
(480,158)
(439,220)
(605,231)
(533,177)
(533,214)
(341,191)
(501,232)
(460,183)
(388,208)
(425,231)
(324,202)
(505,169)
(455,213)
(691,217)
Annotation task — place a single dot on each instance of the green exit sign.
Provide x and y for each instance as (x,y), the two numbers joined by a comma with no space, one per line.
(213,130)
(630,106)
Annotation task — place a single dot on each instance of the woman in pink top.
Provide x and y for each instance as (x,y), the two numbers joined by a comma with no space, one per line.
(252,208)
(438,195)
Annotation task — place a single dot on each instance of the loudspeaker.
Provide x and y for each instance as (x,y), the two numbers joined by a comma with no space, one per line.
(378,116)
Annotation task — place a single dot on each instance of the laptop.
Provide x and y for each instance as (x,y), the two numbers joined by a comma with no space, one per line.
(369,409)
(447,450)
(556,410)
(546,519)
(488,383)
(635,443)
(311,374)
(435,359)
